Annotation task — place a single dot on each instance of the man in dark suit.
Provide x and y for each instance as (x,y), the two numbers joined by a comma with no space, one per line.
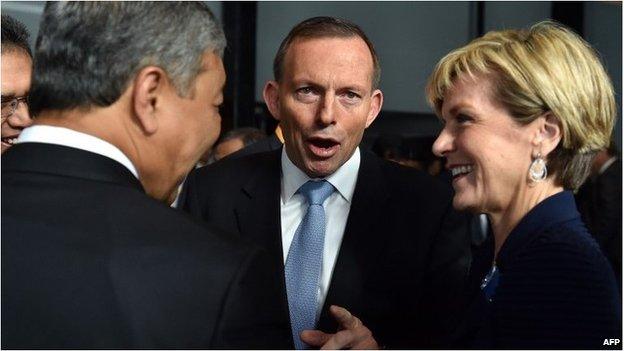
(88,259)
(384,242)
(599,201)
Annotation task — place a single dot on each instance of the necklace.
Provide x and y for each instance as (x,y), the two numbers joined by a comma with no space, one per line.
(489,276)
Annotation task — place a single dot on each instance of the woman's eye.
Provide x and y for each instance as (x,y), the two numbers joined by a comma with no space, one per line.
(462,118)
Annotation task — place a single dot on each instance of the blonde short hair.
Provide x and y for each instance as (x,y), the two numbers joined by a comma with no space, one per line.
(547,68)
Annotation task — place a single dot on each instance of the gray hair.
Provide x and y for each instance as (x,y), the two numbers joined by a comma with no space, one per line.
(88,52)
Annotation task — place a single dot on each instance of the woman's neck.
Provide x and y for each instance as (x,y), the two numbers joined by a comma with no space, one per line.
(503,222)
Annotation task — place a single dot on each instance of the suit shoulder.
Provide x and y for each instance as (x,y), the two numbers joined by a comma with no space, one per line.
(565,247)
(144,221)
(571,239)
(237,167)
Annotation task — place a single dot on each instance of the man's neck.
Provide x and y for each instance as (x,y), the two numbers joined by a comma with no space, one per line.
(91,122)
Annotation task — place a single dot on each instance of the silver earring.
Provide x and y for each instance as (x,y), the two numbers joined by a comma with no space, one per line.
(537,170)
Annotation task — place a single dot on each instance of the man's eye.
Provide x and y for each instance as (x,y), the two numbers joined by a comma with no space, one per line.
(305,90)
(307,94)
(350,97)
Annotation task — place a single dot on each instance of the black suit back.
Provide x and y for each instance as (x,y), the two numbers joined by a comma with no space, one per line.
(89,261)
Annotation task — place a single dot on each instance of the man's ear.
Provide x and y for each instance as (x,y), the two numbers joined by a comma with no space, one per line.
(548,134)
(147,91)
(376,103)
(271,98)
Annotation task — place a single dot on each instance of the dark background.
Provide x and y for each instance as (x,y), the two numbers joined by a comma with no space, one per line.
(410,37)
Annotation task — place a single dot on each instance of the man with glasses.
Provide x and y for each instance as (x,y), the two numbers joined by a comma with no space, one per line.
(16,73)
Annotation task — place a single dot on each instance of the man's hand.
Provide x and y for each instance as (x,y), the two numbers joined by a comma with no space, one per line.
(352,334)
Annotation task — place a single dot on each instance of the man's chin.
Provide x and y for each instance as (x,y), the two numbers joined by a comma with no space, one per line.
(320,169)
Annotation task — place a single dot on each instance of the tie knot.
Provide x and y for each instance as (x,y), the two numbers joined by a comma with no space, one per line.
(316,191)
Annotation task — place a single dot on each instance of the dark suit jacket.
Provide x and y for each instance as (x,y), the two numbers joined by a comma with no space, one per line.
(89,261)
(404,254)
(600,202)
(555,289)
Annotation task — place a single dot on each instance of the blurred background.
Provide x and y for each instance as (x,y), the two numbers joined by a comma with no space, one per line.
(410,37)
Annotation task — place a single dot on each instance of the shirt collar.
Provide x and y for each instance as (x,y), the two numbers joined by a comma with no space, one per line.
(77,140)
(343,179)
(606,165)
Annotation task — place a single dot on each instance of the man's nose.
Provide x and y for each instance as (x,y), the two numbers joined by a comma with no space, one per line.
(326,112)
(21,117)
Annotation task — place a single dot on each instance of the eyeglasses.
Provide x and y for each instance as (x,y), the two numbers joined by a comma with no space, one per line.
(10,104)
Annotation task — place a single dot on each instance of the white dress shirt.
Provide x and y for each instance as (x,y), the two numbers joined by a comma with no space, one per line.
(77,140)
(293,208)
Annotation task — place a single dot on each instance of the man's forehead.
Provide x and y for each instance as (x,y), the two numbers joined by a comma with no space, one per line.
(310,43)
(211,62)
(307,56)
(16,72)
(14,57)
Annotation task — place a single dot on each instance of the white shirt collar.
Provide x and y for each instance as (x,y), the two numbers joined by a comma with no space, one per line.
(606,165)
(71,138)
(343,179)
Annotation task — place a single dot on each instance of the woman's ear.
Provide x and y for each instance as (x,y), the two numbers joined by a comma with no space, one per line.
(548,134)
(147,90)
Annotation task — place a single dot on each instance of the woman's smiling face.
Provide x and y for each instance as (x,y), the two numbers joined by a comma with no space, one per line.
(487,151)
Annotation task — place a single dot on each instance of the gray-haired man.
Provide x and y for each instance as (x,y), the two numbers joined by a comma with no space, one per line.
(126,96)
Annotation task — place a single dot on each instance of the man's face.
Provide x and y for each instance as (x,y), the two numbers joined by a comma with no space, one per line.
(324,101)
(192,123)
(16,73)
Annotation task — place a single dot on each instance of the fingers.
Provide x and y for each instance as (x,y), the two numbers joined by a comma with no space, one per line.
(344,318)
(353,335)
(315,338)
(341,340)
(360,339)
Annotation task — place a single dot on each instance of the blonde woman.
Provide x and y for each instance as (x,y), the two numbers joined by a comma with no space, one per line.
(524,112)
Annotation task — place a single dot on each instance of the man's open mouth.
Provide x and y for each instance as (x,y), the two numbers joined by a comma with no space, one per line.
(323,147)
(10,141)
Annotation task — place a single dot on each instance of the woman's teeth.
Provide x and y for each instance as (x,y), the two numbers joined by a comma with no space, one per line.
(459,170)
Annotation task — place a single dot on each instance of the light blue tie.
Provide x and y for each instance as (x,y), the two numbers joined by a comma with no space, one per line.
(303,264)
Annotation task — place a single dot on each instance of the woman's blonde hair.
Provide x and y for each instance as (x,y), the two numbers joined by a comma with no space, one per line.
(547,68)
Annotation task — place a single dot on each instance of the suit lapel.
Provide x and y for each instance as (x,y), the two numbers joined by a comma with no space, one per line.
(257,207)
(360,244)
(257,211)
